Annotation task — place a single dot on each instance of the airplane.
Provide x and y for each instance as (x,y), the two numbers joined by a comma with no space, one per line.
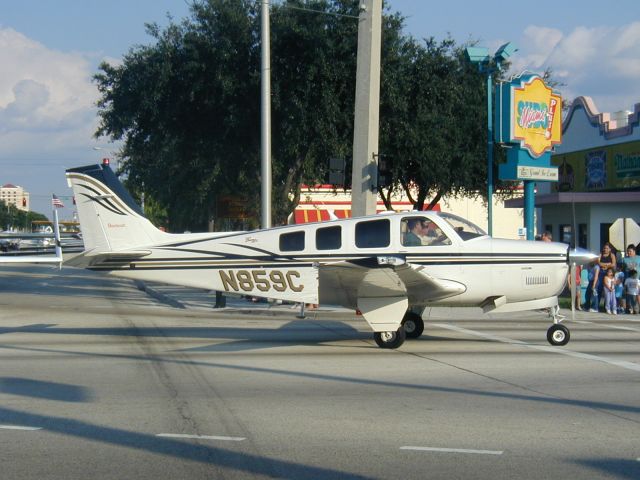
(371,264)
(36,259)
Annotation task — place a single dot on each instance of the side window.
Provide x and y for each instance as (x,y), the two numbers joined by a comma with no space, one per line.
(292,242)
(373,234)
(420,231)
(329,238)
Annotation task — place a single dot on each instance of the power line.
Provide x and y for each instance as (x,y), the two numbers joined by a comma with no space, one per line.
(310,10)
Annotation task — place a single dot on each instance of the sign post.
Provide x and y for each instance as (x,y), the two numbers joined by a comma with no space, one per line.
(528,119)
(624,231)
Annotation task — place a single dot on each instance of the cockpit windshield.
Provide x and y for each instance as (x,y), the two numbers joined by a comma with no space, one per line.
(464,228)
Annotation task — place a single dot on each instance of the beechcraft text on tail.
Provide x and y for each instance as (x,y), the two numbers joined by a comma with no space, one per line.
(389,267)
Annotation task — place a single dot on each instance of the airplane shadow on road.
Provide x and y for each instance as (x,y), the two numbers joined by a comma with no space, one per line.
(32,280)
(620,467)
(62,392)
(537,397)
(295,332)
(223,458)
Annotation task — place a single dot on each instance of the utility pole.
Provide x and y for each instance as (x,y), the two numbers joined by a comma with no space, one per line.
(265,148)
(367,110)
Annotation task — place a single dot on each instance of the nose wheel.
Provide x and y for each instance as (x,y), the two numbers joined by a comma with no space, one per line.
(390,339)
(558,335)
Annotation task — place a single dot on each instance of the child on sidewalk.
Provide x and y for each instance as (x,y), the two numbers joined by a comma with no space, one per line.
(631,286)
(619,288)
(610,292)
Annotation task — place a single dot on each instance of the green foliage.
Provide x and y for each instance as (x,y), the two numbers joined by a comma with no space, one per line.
(188,108)
(13,218)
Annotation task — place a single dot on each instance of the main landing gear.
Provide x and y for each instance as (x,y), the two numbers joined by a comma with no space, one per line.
(412,326)
(558,334)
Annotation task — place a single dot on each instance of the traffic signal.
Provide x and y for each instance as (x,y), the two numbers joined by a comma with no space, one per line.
(24,201)
(337,171)
(385,176)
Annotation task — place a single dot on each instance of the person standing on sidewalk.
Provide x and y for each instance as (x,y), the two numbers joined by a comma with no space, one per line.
(609,289)
(632,290)
(592,299)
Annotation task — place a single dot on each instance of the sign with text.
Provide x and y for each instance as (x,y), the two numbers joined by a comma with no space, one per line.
(528,120)
(547,174)
(536,114)
(612,167)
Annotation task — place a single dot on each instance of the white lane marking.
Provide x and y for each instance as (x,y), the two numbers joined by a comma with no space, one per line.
(201,437)
(18,427)
(628,329)
(584,356)
(454,450)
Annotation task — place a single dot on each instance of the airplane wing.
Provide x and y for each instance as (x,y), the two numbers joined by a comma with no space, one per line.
(12,259)
(32,259)
(381,291)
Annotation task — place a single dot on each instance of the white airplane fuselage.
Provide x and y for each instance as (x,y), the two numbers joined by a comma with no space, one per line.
(386,266)
(253,264)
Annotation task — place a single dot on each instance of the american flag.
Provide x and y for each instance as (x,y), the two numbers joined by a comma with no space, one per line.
(56,202)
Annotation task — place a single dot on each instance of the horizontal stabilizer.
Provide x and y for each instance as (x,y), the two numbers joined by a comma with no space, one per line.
(92,258)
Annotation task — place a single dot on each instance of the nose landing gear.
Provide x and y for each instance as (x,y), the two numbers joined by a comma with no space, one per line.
(557,335)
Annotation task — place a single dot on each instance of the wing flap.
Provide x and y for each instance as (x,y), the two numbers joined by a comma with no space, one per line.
(344,283)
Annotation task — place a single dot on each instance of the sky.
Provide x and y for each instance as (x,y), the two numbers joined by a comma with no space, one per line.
(49,51)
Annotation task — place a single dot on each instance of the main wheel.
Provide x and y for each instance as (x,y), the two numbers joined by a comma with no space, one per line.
(413,324)
(558,335)
(390,339)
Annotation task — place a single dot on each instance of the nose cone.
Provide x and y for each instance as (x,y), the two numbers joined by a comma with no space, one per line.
(580,256)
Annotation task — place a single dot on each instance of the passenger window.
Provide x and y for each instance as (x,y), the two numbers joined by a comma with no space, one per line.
(329,238)
(373,234)
(420,231)
(292,242)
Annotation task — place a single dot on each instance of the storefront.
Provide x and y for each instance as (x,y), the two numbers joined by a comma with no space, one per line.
(599,176)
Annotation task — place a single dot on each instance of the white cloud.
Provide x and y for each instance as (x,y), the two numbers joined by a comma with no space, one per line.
(47,115)
(600,62)
(42,89)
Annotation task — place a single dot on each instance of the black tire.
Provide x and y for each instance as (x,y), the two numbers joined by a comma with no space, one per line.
(413,324)
(558,335)
(390,339)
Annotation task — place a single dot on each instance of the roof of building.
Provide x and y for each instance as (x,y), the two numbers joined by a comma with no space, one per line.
(577,197)
(604,121)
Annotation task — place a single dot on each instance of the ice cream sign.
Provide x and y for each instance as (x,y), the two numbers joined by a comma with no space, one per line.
(528,119)
(537,117)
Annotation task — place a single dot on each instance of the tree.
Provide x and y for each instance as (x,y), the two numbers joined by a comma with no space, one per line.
(435,119)
(12,217)
(187,108)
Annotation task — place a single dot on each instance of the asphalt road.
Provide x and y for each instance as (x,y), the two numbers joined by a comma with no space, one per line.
(101,380)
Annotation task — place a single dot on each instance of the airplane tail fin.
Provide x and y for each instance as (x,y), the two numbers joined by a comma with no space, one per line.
(110,220)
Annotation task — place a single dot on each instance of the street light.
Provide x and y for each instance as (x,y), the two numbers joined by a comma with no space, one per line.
(488,65)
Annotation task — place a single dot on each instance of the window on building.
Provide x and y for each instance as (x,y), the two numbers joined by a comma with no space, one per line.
(292,242)
(582,235)
(566,234)
(373,234)
(329,238)
(604,234)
